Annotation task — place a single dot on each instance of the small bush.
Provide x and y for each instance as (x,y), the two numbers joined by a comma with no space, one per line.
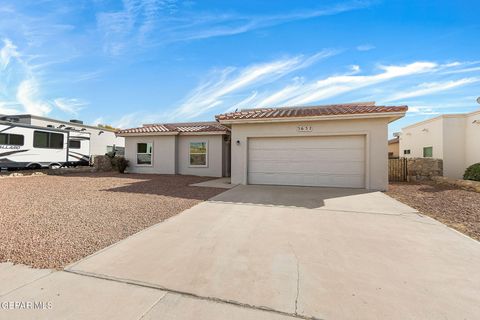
(120,163)
(472,172)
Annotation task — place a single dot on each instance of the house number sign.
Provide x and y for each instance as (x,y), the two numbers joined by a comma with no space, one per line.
(304,128)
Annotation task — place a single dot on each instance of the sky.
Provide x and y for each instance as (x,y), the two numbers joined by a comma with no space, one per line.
(125,63)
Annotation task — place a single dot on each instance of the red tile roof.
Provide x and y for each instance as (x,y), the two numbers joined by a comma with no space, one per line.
(176,128)
(311,111)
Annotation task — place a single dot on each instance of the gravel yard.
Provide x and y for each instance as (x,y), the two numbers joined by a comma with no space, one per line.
(51,221)
(457,208)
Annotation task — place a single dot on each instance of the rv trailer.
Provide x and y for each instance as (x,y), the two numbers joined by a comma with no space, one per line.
(34,147)
(78,148)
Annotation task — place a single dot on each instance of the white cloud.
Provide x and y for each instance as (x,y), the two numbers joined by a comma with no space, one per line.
(99,120)
(431,87)
(8,52)
(365,47)
(134,24)
(355,68)
(28,97)
(126,121)
(212,93)
(8,108)
(336,85)
(245,103)
(72,106)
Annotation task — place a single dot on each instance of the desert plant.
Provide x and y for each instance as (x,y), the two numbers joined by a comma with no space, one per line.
(120,163)
(472,172)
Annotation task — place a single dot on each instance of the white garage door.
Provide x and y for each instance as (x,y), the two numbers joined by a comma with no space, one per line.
(332,161)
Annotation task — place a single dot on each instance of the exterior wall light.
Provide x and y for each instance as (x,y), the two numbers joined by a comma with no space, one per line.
(238,142)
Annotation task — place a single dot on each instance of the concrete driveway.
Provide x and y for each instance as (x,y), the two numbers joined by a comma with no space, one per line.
(262,252)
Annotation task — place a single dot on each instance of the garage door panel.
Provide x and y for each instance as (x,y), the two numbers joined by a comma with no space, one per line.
(324,167)
(337,161)
(307,154)
(333,142)
(341,181)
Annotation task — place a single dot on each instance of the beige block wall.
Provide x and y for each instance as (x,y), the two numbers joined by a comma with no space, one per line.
(429,134)
(215,155)
(374,129)
(472,139)
(163,158)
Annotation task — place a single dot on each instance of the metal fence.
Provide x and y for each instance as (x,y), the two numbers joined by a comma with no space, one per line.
(397,170)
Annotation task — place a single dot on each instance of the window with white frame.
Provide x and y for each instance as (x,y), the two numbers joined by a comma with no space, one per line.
(144,153)
(198,154)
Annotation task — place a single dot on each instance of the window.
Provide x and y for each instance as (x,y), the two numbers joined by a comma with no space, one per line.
(406,151)
(49,140)
(74,144)
(12,139)
(428,152)
(144,153)
(198,154)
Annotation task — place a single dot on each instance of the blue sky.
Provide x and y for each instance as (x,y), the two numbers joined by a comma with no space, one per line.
(130,62)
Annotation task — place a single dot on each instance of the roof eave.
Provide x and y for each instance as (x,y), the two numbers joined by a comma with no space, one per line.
(199,133)
(203,133)
(392,115)
(137,134)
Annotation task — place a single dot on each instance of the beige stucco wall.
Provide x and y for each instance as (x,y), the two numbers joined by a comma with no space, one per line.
(171,154)
(472,139)
(394,149)
(163,158)
(454,139)
(428,134)
(374,129)
(453,147)
(214,151)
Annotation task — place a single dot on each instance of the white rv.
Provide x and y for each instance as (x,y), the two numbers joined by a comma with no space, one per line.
(34,147)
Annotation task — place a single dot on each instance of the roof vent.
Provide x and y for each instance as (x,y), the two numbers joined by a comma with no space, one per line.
(76,121)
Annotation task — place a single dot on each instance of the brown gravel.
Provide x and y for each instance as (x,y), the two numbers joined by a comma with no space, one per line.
(51,221)
(457,208)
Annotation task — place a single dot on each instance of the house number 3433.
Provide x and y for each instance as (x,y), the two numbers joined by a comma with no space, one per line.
(304,128)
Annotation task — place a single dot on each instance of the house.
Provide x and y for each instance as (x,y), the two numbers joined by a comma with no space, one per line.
(196,148)
(102,140)
(394,148)
(451,137)
(340,145)
(334,146)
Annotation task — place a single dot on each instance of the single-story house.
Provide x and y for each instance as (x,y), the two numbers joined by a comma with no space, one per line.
(451,137)
(195,148)
(394,148)
(340,145)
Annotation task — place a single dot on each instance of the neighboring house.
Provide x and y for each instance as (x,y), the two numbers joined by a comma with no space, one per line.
(393,148)
(451,137)
(102,140)
(197,148)
(333,146)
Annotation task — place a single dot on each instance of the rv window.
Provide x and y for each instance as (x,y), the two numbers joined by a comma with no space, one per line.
(11,139)
(74,144)
(47,140)
(56,141)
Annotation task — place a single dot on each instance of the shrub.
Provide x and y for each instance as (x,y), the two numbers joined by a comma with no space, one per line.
(120,163)
(472,172)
